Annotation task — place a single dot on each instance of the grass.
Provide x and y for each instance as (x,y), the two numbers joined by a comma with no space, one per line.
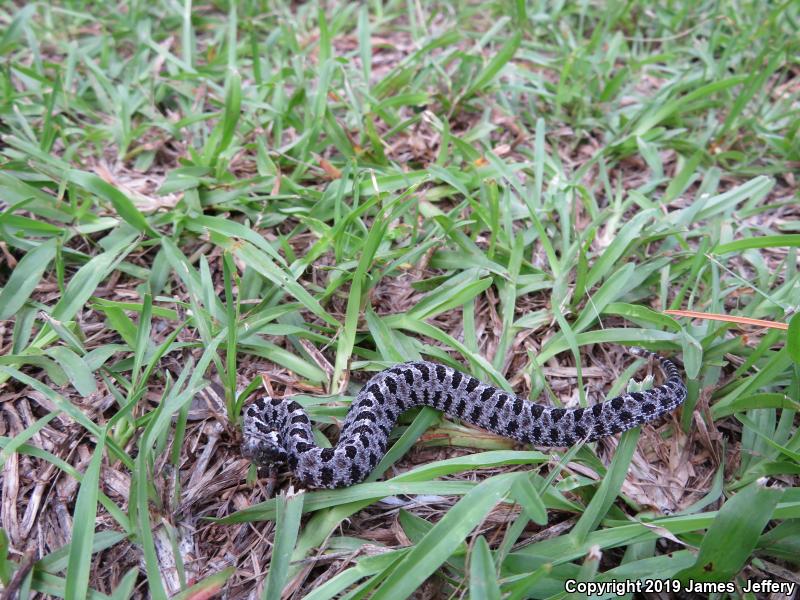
(197,195)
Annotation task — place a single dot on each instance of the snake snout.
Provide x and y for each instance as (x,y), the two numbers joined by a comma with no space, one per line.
(264,451)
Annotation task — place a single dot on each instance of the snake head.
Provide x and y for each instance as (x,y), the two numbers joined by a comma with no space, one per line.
(261,443)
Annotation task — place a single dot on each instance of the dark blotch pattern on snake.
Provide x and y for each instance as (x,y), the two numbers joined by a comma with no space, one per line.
(278,431)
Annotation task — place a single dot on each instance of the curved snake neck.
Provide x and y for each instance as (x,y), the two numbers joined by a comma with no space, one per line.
(278,431)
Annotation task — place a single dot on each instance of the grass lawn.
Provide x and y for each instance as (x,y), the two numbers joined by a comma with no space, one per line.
(196,196)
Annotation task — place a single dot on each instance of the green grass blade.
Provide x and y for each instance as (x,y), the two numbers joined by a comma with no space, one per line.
(83,284)
(482,573)
(440,542)
(497,62)
(83,526)
(126,586)
(764,241)
(265,266)
(208,587)
(121,203)
(609,487)
(357,288)
(78,372)
(287,524)
(793,338)
(13,444)
(25,277)
(727,545)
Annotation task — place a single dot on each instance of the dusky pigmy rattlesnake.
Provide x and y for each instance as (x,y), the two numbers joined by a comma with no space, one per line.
(278,431)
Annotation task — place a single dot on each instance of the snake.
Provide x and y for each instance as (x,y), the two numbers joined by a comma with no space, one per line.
(277,431)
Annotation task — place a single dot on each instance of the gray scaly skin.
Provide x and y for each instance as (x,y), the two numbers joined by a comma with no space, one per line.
(278,431)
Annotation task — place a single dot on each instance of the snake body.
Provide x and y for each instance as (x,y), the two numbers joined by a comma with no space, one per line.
(278,431)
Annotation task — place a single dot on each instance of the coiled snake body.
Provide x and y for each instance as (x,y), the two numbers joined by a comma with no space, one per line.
(278,431)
